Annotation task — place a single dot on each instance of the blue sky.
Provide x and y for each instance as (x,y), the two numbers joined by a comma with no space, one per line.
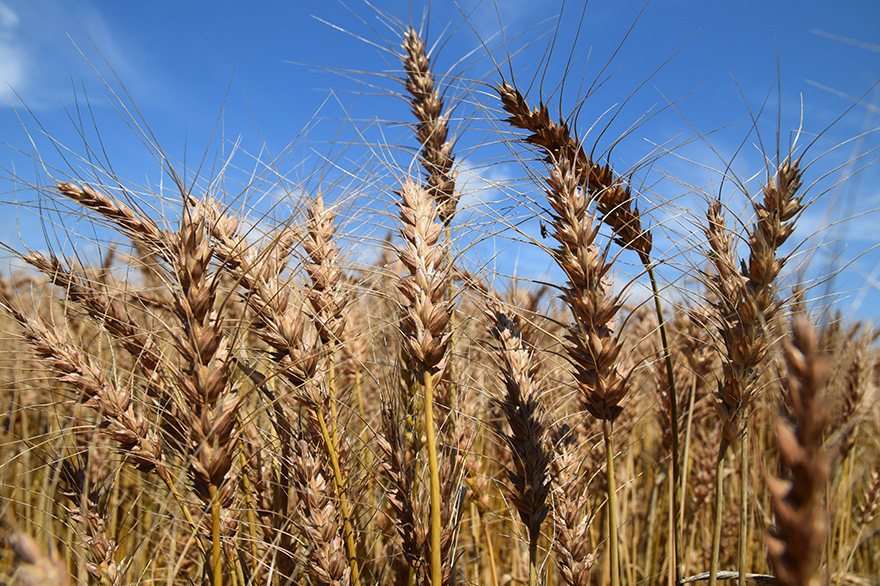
(303,96)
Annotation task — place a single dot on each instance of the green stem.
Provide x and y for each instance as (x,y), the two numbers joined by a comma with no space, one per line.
(673,408)
(613,546)
(719,505)
(434,469)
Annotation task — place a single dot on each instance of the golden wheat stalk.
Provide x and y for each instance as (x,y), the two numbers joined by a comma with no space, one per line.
(592,347)
(615,205)
(746,311)
(425,329)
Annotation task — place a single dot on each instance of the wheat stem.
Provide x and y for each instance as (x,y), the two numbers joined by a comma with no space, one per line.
(742,551)
(493,570)
(673,408)
(249,501)
(339,482)
(215,537)
(687,447)
(238,574)
(719,508)
(613,546)
(434,470)
(331,390)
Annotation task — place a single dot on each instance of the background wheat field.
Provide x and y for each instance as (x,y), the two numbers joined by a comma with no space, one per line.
(507,321)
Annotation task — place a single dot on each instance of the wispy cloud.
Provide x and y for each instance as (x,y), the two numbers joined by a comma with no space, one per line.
(49,46)
(13,60)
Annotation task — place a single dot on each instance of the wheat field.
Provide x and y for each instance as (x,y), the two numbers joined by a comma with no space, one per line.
(351,393)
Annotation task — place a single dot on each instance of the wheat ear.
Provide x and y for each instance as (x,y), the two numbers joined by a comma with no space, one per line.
(329,306)
(432,128)
(521,405)
(139,342)
(136,226)
(398,465)
(205,382)
(90,521)
(613,196)
(572,517)
(304,364)
(795,542)
(437,160)
(130,429)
